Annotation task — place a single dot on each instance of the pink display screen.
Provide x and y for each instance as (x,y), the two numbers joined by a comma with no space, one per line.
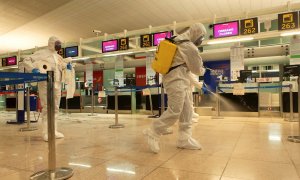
(109,46)
(226,29)
(157,37)
(11,61)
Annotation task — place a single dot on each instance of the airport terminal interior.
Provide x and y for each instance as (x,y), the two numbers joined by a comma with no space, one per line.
(84,86)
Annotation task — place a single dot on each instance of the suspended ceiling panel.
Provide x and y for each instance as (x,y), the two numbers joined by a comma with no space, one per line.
(25,24)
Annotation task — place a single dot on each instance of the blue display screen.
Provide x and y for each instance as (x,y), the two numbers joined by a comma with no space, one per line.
(71,51)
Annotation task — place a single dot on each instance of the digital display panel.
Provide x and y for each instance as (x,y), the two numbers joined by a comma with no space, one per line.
(288,21)
(146,40)
(249,26)
(123,43)
(71,51)
(9,61)
(226,29)
(157,37)
(109,46)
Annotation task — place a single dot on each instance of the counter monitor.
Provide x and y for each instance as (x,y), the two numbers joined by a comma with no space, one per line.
(71,51)
(109,46)
(226,29)
(157,37)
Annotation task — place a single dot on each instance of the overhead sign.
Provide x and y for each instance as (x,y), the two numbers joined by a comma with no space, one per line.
(287,21)
(249,26)
(226,29)
(146,40)
(9,61)
(157,37)
(109,46)
(71,51)
(123,44)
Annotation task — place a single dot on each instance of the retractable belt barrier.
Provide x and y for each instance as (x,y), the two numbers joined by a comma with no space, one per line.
(254,87)
(133,88)
(20,78)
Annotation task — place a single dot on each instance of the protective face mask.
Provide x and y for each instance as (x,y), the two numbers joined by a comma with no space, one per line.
(198,42)
(57,45)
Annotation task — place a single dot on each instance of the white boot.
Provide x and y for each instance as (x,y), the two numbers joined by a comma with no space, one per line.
(195,117)
(186,141)
(194,120)
(167,131)
(153,140)
(58,135)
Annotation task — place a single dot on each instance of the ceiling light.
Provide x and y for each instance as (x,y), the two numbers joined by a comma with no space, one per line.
(116,54)
(290,33)
(222,41)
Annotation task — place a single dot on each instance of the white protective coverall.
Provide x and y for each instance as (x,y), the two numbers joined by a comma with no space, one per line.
(56,63)
(177,85)
(195,83)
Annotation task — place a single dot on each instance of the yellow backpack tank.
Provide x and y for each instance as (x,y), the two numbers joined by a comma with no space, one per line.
(164,56)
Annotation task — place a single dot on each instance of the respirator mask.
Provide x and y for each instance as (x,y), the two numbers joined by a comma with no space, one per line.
(198,42)
(57,45)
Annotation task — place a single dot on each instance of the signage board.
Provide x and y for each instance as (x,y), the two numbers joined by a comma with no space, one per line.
(146,40)
(157,37)
(109,46)
(226,29)
(249,26)
(9,61)
(123,44)
(287,21)
(71,51)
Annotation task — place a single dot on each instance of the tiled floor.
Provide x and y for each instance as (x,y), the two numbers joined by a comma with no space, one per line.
(233,149)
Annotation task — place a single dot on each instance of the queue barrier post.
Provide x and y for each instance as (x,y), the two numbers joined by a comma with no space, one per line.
(52,172)
(28,128)
(116,125)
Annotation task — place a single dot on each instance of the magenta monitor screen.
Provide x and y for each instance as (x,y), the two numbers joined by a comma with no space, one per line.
(226,29)
(109,46)
(157,37)
(10,61)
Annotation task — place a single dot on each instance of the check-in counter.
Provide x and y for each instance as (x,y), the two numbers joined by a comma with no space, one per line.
(11,103)
(229,101)
(126,98)
(251,97)
(73,103)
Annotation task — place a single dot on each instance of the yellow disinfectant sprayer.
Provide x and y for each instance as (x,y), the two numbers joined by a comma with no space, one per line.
(165,54)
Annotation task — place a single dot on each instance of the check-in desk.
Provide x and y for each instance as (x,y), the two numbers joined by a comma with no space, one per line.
(127,97)
(74,103)
(248,102)
(260,97)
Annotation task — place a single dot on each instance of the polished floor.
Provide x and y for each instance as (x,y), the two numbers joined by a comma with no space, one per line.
(233,149)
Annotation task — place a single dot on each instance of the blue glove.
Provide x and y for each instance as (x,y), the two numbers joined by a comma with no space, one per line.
(35,70)
(69,66)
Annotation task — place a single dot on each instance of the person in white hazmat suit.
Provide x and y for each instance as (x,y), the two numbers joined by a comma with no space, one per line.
(195,83)
(177,85)
(48,60)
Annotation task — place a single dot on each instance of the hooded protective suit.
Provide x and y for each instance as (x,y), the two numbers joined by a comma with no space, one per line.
(177,85)
(195,83)
(42,61)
